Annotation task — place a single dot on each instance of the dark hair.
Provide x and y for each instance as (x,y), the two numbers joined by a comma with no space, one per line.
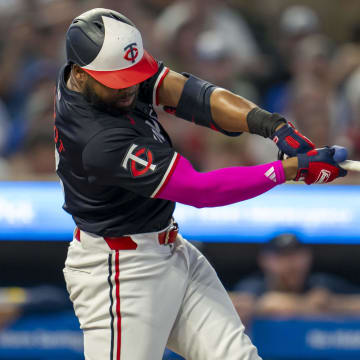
(283,243)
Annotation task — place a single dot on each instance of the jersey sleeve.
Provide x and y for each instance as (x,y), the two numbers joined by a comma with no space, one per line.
(148,92)
(118,157)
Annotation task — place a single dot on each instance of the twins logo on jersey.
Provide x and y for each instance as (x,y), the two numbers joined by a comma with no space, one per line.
(135,161)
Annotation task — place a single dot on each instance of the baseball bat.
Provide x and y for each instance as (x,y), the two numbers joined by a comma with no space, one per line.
(350,165)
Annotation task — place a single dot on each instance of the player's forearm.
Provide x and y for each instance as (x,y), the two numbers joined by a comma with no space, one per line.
(220,187)
(345,303)
(230,111)
(279,303)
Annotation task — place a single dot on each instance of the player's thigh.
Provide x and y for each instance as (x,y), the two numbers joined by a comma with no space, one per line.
(208,327)
(149,294)
(86,281)
(129,306)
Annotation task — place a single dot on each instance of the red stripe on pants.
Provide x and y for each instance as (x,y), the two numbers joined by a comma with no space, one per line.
(117,282)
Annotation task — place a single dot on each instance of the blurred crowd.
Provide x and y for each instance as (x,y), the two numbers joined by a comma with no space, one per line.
(279,56)
(286,285)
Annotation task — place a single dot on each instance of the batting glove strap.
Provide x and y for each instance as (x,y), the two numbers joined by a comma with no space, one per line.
(318,166)
(291,142)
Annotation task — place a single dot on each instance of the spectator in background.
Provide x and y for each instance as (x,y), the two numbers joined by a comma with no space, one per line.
(33,44)
(310,92)
(4,127)
(214,60)
(286,286)
(4,133)
(346,78)
(307,98)
(212,15)
(296,23)
(309,61)
(35,159)
(18,301)
(176,30)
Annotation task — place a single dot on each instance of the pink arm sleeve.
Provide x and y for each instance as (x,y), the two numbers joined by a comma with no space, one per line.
(219,187)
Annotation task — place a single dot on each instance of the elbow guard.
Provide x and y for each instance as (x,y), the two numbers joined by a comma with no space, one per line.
(194,104)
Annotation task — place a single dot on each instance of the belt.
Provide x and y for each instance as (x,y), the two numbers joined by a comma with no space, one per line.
(127,243)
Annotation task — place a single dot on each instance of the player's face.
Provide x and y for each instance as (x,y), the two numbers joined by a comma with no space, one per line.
(288,271)
(114,101)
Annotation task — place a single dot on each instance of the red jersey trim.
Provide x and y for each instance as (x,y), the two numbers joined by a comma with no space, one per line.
(158,83)
(167,175)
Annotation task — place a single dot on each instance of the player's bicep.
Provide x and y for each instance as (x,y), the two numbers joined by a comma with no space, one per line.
(170,89)
(140,165)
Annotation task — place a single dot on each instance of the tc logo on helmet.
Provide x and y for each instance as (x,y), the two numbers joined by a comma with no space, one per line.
(131,52)
(136,159)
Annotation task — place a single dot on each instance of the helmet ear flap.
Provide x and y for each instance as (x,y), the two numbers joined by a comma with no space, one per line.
(79,49)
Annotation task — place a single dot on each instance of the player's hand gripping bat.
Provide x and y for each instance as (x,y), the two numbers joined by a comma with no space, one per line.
(324,165)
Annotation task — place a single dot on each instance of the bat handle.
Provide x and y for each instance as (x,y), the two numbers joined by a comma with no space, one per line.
(350,165)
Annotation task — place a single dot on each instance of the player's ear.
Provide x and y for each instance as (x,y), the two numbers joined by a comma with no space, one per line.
(79,74)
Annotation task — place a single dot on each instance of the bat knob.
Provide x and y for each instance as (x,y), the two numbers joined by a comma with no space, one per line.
(340,154)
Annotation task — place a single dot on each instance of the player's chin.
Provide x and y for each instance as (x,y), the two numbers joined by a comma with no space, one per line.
(126,105)
(127,101)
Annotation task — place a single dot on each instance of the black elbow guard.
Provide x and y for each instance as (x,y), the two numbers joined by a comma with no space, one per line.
(194,104)
(263,123)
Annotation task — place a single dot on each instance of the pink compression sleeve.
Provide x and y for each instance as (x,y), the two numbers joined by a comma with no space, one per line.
(220,187)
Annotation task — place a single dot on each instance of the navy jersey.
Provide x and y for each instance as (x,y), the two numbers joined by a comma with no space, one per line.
(111,167)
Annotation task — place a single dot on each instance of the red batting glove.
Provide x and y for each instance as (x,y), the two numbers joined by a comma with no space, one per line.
(318,166)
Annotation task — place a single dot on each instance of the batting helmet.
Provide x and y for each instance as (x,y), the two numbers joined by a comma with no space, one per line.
(109,47)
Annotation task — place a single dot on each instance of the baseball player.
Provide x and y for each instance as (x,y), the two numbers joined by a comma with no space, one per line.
(137,286)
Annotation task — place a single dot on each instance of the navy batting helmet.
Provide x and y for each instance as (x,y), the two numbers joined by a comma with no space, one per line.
(108,46)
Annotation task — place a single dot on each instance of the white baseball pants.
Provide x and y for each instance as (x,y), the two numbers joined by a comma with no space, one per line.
(131,304)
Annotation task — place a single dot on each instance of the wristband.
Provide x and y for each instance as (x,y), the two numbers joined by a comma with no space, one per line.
(263,123)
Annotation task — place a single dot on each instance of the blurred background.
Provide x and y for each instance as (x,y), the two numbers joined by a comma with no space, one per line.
(298,58)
